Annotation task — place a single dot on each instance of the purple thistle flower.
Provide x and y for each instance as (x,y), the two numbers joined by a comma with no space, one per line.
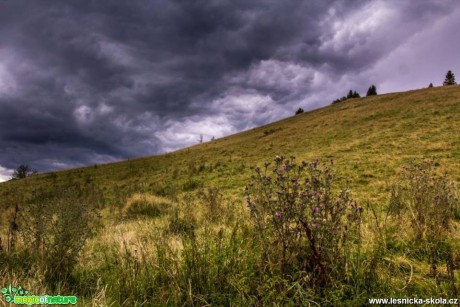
(314,210)
(278,215)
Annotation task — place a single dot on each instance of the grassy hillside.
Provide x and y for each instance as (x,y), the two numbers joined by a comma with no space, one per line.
(178,229)
(368,138)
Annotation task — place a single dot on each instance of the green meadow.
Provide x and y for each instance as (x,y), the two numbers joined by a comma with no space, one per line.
(368,208)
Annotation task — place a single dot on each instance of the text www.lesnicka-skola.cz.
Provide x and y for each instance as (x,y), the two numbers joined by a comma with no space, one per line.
(413,301)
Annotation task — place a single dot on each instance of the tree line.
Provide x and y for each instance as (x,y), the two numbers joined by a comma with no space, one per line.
(448,80)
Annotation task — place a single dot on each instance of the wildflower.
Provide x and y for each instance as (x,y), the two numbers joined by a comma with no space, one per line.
(278,215)
(314,225)
(314,210)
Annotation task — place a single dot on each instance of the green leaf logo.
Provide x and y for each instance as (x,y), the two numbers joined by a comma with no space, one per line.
(10,292)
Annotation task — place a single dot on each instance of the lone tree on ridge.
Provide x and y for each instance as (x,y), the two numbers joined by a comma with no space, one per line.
(450,79)
(23,171)
(372,91)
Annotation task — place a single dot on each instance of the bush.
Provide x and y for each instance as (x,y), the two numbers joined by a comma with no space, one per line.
(339,100)
(351,94)
(306,229)
(56,228)
(147,205)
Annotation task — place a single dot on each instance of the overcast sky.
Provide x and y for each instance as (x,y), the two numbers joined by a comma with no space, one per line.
(85,82)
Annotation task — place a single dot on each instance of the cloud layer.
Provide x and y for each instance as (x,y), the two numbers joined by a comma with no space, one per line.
(84,82)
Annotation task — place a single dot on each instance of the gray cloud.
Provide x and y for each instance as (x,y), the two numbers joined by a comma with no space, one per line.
(85,82)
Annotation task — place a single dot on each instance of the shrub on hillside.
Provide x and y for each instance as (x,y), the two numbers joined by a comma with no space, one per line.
(351,94)
(56,226)
(146,205)
(307,228)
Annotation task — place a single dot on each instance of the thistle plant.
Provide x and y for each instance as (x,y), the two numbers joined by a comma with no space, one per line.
(306,226)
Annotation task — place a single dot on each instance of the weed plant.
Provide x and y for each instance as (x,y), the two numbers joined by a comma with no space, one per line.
(307,230)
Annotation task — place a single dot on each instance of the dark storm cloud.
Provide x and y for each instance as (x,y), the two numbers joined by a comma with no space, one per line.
(85,82)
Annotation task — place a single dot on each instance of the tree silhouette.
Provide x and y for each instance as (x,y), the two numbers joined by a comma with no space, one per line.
(371,91)
(23,171)
(299,111)
(430,86)
(450,79)
(353,94)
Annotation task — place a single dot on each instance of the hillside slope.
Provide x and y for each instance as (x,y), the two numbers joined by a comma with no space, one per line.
(104,233)
(369,139)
